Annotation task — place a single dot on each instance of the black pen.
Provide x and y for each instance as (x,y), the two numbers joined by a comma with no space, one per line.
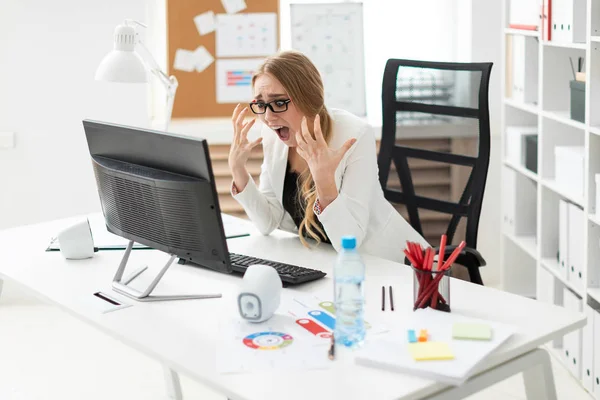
(383,298)
(391,299)
(331,352)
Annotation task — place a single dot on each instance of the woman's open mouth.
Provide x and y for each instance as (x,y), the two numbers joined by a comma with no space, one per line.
(282,131)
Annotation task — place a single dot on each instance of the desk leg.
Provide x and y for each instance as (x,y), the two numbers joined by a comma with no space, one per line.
(173,384)
(539,379)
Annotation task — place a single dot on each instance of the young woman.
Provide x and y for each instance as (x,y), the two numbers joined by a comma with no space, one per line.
(319,176)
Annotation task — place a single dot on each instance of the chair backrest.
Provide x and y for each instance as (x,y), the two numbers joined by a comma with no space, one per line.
(469,204)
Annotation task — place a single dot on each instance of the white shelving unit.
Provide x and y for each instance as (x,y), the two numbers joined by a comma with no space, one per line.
(530,250)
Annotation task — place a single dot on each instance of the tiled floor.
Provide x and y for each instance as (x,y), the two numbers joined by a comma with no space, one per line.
(46,354)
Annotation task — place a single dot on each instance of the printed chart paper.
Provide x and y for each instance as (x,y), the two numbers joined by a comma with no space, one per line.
(234,80)
(205,22)
(274,344)
(331,35)
(246,35)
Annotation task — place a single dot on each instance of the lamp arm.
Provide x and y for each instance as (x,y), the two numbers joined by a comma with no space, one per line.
(170,82)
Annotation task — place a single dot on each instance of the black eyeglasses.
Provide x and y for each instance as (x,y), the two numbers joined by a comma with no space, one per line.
(276,106)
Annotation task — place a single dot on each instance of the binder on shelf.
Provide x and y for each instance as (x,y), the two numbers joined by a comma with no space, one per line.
(525,69)
(519,218)
(576,227)
(515,142)
(568,21)
(596,355)
(524,13)
(572,340)
(587,350)
(563,234)
(569,168)
(509,178)
(546,20)
(559,301)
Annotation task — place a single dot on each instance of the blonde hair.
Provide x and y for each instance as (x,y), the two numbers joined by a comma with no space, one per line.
(303,83)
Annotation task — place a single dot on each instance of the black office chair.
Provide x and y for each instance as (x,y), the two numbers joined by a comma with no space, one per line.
(469,204)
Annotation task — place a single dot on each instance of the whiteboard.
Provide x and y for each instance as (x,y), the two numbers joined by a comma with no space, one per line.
(331,35)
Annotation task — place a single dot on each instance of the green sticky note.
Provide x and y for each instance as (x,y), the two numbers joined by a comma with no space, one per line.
(471,331)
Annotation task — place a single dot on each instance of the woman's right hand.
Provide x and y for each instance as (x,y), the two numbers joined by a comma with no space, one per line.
(241,148)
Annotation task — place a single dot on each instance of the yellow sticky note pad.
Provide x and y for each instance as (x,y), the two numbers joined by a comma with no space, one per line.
(428,351)
(471,331)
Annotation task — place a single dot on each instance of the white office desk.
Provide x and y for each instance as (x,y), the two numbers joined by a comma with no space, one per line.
(182,335)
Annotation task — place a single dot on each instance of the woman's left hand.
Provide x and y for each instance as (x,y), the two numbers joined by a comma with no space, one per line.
(321,159)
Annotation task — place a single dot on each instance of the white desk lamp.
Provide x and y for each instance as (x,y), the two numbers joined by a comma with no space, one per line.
(124,64)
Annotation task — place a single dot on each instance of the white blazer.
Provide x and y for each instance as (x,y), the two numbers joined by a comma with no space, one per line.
(360,209)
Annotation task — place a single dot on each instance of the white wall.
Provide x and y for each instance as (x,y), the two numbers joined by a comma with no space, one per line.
(49,51)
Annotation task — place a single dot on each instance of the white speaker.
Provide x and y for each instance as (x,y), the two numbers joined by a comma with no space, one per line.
(260,293)
(76,241)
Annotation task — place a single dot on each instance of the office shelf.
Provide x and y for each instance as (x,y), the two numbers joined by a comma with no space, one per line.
(529,107)
(564,118)
(551,116)
(551,265)
(523,32)
(594,218)
(595,130)
(594,293)
(578,46)
(526,243)
(522,170)
(552,185)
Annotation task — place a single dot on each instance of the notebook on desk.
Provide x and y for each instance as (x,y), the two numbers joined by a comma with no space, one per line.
(104,240)
(393,351)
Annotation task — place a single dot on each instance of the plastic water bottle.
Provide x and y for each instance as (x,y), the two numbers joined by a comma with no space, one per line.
(349,277)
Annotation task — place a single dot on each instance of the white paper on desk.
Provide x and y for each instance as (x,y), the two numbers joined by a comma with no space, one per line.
(185,60)
(390,351)
(315,315)
(203,58)
(246,35)
(234,79)
(275,344)
(234,227)
(205,22)
(234,6)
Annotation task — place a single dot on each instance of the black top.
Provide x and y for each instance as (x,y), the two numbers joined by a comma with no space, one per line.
(291,203)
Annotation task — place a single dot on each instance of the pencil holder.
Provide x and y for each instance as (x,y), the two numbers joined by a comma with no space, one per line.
(431,289)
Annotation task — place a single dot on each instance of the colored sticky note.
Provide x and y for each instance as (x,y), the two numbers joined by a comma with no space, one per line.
(429,351)
(412,337)
(471,331)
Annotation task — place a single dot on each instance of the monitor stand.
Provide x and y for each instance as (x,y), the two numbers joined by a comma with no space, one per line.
(120,285)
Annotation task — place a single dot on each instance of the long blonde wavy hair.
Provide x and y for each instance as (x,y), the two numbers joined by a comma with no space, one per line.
(303,84)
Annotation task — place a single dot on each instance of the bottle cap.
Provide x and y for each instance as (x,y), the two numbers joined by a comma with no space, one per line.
(348,242)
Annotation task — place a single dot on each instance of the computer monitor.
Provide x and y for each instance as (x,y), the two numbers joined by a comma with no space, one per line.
(158,189)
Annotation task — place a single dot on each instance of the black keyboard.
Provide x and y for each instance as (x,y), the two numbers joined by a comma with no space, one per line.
(289,274)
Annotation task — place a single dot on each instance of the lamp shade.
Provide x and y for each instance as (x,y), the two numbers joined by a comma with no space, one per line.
(123,64)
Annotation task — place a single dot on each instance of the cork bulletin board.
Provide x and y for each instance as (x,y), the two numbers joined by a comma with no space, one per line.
(197,92)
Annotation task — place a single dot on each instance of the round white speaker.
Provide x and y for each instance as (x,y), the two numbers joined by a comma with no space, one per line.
(76,241)
(260,293)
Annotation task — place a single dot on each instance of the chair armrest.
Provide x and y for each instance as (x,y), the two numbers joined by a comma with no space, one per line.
(469,257)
